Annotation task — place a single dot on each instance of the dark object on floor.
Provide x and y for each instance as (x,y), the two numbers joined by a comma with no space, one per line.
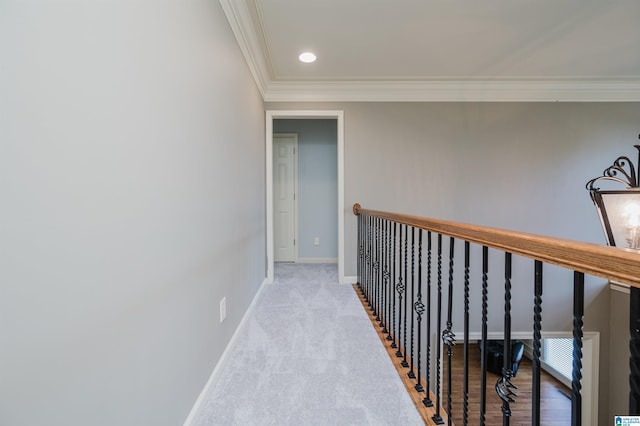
(495,358)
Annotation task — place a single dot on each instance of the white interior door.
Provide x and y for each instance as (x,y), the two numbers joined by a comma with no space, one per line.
(285,146)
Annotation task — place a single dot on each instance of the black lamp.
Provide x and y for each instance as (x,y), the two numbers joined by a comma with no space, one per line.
(619,209)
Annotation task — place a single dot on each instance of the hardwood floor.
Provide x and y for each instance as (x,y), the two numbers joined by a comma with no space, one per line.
(555,398)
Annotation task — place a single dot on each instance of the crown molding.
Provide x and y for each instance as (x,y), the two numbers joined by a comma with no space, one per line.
(239,19)
(456,91)
(471,90)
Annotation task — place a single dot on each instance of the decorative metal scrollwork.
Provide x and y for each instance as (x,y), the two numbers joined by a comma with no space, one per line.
(386,275)
(400,287)
(621,171)
(448,337)
(419,307)
(504,388)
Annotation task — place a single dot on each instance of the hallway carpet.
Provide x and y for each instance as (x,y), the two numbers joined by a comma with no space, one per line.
(308,355)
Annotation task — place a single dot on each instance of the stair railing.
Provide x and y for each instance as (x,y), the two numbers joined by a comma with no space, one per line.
(390,262)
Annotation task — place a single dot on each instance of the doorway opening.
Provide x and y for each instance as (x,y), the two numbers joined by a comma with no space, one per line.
(315,241)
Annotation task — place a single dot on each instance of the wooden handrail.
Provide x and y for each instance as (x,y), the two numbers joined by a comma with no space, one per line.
(611,263)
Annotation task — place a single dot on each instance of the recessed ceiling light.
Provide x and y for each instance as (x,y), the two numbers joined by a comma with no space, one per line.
(307,57)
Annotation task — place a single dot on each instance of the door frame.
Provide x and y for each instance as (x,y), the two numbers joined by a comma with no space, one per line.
(317,114)
(295,192)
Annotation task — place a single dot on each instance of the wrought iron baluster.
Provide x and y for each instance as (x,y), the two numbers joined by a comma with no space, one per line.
(427,399)
(365,238)
(411,373)
(376,270)
(372,277)
(361,249)
(437,417)
(380,267)
(389,288)
(372,260)
(419,307)
(404,362)
(363,268)
(578,315)
(504,386)
(483,345)
(392,334)
(465,374)
(400,289)
(537,326)
(385,278)
(448,337)
(359,266)
(368,257)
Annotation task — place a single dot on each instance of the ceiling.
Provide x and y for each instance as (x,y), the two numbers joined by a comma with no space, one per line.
(437,50)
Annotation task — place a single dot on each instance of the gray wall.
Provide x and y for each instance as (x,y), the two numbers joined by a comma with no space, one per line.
(317,184)
(519,166)
(132,201)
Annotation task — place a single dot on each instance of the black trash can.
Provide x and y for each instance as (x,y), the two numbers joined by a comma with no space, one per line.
(495,355)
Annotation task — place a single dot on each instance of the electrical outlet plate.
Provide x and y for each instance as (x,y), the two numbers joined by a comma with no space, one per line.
(223,309)
(316,241)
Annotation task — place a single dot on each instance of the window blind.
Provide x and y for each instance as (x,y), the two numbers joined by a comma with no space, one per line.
(558,354)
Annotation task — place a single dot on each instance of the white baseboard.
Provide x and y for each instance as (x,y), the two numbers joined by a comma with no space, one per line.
(349,280)
(199,405)
(317,260)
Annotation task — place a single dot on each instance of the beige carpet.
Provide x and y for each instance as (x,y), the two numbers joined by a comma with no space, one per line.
(308,356)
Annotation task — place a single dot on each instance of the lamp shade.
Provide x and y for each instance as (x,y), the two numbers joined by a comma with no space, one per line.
(619,213)
(619,210)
